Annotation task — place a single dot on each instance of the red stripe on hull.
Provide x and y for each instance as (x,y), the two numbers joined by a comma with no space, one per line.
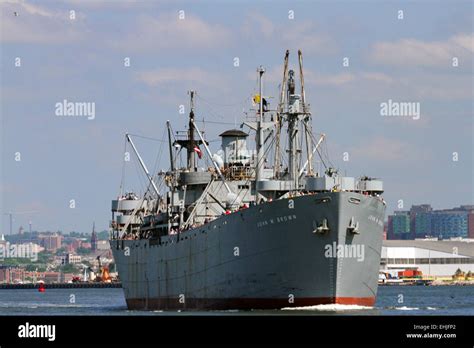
(243,303)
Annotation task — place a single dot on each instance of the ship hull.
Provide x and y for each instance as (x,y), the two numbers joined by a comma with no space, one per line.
(268,256)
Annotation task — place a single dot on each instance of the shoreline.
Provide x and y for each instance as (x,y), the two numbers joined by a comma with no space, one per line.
(62,286)
(430,283)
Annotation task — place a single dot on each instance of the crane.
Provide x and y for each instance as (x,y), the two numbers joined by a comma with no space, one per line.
(11,213)
(103,272)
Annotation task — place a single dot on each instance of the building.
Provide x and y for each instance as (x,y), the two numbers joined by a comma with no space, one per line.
(51,242)
(70,248)
(422,224)
(422,221)
(52,277)
(399,225)
(449,224)
(69,258)
(72,258)
(93,238)
(431,257)
(470,224)
(103,245)
(4,274)
(11,275)
(66,277)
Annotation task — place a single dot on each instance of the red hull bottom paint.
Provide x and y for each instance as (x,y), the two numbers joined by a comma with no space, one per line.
(243,303)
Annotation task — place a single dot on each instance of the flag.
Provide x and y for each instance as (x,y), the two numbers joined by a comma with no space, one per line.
(198,151)
(256,100)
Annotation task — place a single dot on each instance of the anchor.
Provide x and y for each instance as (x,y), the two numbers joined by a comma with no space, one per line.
(353,227)
(322,228)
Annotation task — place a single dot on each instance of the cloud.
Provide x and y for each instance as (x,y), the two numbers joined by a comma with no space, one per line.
(274,75)
(34,9)
(169,85)
(262,24)
(168,31)
(373,86)
(330,80)
(306,36)
(37,24)
(290,33)
(383,149)
(155,78)
(413,52)
(127,4)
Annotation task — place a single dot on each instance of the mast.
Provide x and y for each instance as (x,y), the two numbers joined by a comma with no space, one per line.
(191,144)
(259,133)
(279,124)
(292,131)
(170,144)
(259,127)
(168,206)
(307,118)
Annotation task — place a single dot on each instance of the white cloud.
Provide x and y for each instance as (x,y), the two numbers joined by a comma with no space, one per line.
(168,31)
(264,26)
(169,85)
(38,24)
(330,80)
(465,40)
(274,75)
(383,149)
(413,52)
(158,77)
(290,34)
(125,4)
(305,35)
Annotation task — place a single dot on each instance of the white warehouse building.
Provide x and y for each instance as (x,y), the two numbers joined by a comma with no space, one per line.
(431,257)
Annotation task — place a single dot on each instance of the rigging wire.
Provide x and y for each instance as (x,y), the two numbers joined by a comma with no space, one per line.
(148,138)
(239,103)
(160,151)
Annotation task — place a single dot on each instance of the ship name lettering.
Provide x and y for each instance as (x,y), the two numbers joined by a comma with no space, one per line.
(279,219)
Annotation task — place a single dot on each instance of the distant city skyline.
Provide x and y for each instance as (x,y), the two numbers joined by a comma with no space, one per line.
(422,221)
(133,62)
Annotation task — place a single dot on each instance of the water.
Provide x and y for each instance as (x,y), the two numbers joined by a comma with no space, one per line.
(415,300)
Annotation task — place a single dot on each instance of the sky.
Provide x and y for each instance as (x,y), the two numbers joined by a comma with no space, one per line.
(423,54)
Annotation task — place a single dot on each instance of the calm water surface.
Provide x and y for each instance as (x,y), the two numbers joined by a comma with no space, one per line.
(392,300)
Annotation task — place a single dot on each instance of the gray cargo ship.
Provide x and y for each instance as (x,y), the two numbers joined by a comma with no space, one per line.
(257,229)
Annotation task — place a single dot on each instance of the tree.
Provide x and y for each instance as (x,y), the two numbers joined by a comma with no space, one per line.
(83,251)
(42,268)
(103,235)
(69,268)
(31,267)
(60,251)
(458,273)
(10,262)
(44,257)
